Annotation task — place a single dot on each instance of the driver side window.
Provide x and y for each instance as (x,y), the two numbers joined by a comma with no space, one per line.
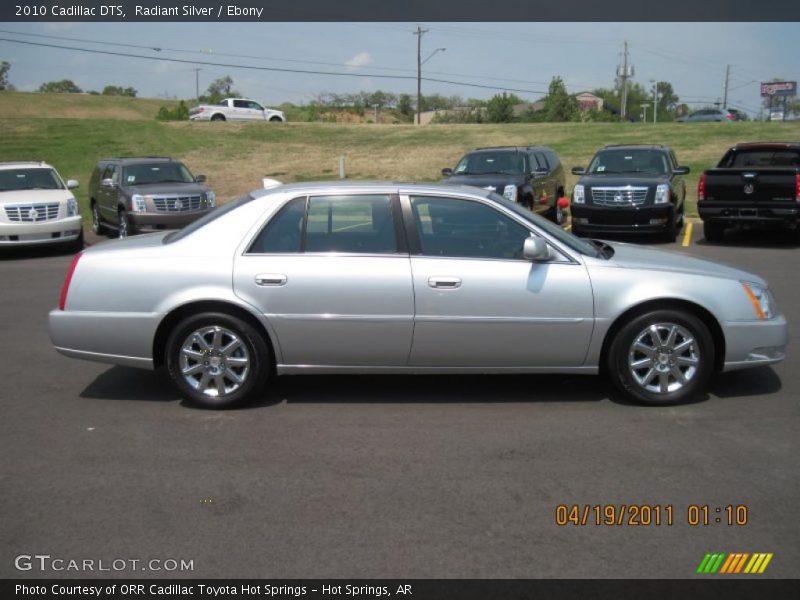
(450,227)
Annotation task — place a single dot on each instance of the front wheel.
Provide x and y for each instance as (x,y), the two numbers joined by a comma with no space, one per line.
(126,226)
(670,233)
(217,360)
(662,357)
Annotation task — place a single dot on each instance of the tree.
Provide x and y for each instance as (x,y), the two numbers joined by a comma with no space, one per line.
(404,105)
(500,109)
(4,68)
(560,106)
(65,86)
(220,88)
(115,90)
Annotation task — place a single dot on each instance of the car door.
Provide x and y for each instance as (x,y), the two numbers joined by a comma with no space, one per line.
(107,195)
(255,111)
(333,276)
(479,303)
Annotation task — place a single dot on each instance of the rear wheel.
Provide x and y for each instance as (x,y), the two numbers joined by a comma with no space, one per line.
(662,357)
(713,232)
(217,360)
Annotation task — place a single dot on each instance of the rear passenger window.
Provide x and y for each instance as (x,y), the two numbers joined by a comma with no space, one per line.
(353,224)
(283,232)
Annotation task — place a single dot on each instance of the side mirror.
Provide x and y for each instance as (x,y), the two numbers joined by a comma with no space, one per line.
(681,170)
(108,182)
(72,184)
(578,171)
(200,179)
(447,172)
(535,249)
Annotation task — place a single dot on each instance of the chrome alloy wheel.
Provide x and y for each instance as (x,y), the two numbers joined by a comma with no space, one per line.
(95,219)
(214,361)
(664,358)
(123,227)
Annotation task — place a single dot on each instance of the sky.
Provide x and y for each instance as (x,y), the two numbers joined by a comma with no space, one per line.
(502,56)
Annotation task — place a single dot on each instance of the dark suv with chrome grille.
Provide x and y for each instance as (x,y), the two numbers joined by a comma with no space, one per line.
(131,195)
(634,188)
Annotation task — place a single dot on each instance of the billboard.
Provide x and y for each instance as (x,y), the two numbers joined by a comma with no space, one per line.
(778,88)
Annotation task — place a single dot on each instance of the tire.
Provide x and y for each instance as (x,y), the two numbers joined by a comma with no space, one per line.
(217,117)
(76,245)
(713,232)
(126,226)
(674,368)
(670,233)
(276,120)
(557,215)
(227,384)
(97,221)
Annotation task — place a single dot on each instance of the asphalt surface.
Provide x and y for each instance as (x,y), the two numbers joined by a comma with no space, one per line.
(412,476)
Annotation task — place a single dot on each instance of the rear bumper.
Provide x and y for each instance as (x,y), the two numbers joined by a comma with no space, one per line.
(85,335)
(158,221)
(646,219)
(755,343)
(47,232)
(749,214)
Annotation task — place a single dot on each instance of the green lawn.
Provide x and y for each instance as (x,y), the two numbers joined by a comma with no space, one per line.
(62,130)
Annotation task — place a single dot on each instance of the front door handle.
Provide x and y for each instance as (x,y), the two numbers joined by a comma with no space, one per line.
(270,279)
(444,283)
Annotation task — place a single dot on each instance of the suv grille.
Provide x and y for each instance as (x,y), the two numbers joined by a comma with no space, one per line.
(619,196)
(174,204)
(32,213)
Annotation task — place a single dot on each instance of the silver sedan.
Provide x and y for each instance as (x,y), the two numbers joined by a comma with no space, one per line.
(406,278)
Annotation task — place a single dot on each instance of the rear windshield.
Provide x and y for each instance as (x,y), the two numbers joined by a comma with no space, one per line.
(29,179)
(206,219)
(761,158)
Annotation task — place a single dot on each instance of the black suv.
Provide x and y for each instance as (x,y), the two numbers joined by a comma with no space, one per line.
(129,195)
(634,188)
(530,175)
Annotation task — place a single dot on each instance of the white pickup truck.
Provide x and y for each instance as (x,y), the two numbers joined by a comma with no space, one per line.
(235,109)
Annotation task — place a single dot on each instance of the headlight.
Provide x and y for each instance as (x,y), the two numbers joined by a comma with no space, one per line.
(211,198)
(578,196)
(137,203)
(662,194)
(72,207)
(510,193)
(761,299)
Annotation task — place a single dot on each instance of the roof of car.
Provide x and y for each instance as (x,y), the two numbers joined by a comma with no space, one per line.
(635,147)
(389,187)
(32,164)
(132,160)
(749,145)
(512,148)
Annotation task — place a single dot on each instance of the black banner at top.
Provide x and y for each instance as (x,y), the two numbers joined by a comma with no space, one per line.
(397,10)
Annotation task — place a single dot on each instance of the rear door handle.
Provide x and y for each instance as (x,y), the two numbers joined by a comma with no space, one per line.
(446,283)
(270,279)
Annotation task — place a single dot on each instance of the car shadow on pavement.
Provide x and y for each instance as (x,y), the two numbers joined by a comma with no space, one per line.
(31,252)
(125,383)
(760,381)
(756,238)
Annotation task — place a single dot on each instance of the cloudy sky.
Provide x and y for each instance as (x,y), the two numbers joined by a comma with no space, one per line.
(503,56)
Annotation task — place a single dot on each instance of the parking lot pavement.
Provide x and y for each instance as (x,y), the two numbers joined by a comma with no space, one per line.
(416,476)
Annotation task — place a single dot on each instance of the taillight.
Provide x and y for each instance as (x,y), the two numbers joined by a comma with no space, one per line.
(701,187)
(797,187)
(64,290)
(730,117)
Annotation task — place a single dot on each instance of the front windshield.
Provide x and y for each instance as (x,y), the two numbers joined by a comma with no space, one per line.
(12,180)
(162,172)
(629,161)
(566,238)
(485,163)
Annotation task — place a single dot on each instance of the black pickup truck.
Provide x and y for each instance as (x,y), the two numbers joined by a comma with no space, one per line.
(755,184)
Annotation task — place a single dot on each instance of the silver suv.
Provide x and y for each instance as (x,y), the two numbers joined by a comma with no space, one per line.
(130,195)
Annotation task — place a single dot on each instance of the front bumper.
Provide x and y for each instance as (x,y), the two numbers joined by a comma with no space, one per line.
(46,232)
(158,221)
(754,343)
(644,219)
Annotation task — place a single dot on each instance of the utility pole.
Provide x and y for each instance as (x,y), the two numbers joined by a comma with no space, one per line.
(725,89)
(419,33)
(197,84)
(624,74)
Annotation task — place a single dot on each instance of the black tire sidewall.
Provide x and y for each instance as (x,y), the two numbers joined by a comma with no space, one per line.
(257,348)
(618,357)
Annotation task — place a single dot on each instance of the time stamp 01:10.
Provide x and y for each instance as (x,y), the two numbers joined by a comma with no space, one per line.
(697,515)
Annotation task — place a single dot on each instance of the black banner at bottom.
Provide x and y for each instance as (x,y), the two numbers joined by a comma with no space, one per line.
(409,589)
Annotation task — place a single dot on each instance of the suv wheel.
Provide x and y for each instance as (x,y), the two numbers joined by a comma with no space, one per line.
(662,357)
(97,221)
(670,233)
(126,226)
(217,360)
(713,232)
